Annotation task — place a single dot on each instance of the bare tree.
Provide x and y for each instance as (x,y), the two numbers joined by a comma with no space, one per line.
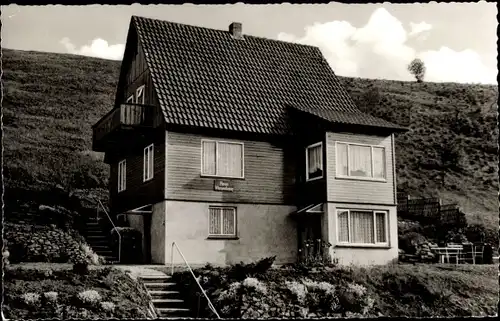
(417,69)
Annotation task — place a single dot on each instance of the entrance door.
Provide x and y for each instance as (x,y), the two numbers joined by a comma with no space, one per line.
(310,244)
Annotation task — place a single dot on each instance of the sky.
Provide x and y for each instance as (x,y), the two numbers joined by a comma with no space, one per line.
(456,41)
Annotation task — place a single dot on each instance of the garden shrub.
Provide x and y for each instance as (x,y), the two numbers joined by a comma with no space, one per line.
(89,297)
(409,242)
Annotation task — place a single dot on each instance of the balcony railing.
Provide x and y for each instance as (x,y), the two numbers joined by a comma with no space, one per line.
(127,115)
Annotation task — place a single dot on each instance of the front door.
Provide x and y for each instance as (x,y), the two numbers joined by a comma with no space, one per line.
(310,243)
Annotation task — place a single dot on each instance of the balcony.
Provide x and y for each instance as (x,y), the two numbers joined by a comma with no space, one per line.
(119,123)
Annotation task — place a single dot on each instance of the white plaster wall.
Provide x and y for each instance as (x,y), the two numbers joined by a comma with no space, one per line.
(362,255)
(262,230)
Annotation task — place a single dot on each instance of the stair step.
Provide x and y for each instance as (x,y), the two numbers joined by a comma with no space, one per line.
(167,301)
(96,236)
(158,285)
(158,294)
(155,277)
(172,311)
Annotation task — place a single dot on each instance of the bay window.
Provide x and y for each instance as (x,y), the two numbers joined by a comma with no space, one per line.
(361,161)
(362,227)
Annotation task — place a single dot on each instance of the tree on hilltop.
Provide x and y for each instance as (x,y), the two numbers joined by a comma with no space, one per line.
(417,69)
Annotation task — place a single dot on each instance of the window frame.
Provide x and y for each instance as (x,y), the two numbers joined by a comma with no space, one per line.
(235,218)
(142,89)
(130,99)
(150,149)
(361,178)
(307,162)
(217,158)
(122,175)
(374,217)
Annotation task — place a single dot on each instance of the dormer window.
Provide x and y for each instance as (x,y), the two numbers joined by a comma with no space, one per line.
(314,161)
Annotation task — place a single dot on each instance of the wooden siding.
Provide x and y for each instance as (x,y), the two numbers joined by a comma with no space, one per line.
(137,75)
(359,191)
(269,172)
(138,192)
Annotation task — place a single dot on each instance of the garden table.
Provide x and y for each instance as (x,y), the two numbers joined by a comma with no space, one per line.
(448,252)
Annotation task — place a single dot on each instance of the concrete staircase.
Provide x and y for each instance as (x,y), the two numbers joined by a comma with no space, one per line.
(97,236)
(166,299)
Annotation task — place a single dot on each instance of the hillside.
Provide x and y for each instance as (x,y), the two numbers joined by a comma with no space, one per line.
(51,101)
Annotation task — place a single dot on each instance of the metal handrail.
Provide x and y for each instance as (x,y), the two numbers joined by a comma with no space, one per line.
(114,227)
(210,305)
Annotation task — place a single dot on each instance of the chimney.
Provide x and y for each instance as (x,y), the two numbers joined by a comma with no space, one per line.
(235,30)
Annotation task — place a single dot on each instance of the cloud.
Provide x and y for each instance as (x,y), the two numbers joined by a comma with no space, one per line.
(380,50)
(417,28)
(98,48)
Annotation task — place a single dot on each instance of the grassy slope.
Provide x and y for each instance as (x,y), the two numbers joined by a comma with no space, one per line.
(51,101)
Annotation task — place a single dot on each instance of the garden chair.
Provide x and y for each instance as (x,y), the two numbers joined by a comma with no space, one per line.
(467,254)
(478,252)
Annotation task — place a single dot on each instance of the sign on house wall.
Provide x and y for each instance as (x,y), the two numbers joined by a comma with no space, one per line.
(223,185)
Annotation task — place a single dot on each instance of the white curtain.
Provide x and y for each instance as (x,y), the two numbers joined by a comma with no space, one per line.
(380,227)
(343,226)
(215,222)
(209,157)
(342,159)
(362,227)
(228,219)
(360,163)
(378,162)
(315,166)
(229,160)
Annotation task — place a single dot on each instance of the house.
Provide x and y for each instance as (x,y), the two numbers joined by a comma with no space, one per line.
(239,147)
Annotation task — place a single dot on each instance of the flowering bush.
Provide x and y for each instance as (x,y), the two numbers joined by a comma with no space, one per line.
(299,290)
(89,297)
(255,284)
(354,298)
(231,293)
(50,297)
(107,306)
(322,296)
(31,299)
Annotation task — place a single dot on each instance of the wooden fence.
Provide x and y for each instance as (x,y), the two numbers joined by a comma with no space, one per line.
(429,211)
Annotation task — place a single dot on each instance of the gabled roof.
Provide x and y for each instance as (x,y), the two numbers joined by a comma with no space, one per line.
(206,78)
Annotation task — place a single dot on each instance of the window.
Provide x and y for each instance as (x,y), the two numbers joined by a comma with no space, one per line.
(362,227)
(130,100)
(148,162)
(360,161)
(139,95)
(314,161)
(222,221)
(122,175)
(222,159)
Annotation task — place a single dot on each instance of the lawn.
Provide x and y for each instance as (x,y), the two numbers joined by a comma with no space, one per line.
(55,291)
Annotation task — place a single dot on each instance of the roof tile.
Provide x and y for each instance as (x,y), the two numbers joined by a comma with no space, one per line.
(205,77)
